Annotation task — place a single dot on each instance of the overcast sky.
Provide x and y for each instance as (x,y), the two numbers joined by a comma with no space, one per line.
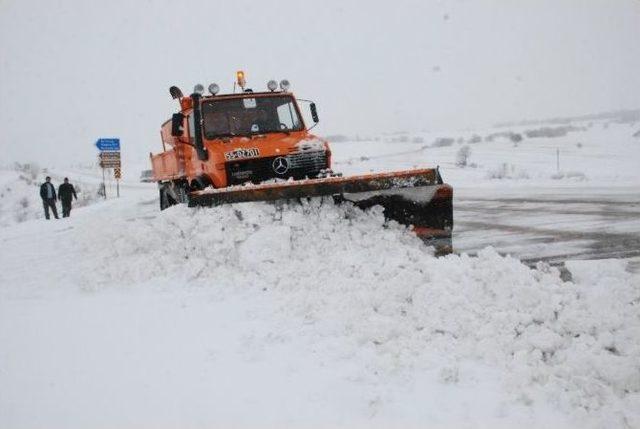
(73,71)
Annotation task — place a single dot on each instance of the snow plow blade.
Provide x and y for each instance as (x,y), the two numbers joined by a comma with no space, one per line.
(415,197)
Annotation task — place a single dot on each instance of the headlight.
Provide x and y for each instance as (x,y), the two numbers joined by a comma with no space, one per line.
(272,85)
(198,89)
(284,84)
(214,88)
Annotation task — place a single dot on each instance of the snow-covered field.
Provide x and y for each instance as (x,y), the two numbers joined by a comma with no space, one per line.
(318,316)
(593,153)
(20,184)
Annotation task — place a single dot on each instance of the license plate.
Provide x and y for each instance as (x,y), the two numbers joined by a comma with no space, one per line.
(242,153)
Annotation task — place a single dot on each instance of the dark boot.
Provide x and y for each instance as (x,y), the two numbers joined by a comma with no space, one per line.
(66,208)
(54,209)
(45,204)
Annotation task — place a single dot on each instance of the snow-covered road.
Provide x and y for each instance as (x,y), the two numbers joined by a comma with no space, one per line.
(552,226)
(576,196)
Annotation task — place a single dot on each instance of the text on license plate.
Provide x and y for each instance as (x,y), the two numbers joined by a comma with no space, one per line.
(241,153)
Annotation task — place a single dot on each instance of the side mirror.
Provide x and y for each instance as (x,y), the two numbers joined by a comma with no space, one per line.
(175,92)
(314,112)
(176,124)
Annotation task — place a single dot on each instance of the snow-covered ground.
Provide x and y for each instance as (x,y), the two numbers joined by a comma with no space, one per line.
(318,316)
(20,184)
(590,154)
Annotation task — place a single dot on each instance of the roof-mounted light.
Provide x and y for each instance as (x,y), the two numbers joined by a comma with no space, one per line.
(284,85)
(198,89)
(240,79)
(272,85)
(214,88)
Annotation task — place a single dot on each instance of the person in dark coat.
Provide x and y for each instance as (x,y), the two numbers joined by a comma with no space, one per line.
(48,195)
(65,192)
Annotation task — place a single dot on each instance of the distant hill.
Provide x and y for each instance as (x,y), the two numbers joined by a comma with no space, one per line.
(617,116)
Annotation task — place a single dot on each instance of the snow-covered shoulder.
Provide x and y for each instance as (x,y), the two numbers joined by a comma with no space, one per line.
(278,316)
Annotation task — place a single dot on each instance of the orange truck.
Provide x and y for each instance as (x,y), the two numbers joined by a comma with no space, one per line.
(255,146)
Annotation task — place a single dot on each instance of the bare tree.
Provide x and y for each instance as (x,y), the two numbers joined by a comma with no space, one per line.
(462,157)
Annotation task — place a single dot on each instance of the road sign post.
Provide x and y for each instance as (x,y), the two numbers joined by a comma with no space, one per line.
(117,173)
(109,157)
(104,187)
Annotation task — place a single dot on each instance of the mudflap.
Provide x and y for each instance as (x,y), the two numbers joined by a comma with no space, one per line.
(416,198)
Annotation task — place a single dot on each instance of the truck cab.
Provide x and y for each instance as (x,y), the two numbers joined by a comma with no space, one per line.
(225,140)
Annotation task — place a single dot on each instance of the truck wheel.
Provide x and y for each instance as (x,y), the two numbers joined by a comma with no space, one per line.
(163,199)
(181,192)
(166,200)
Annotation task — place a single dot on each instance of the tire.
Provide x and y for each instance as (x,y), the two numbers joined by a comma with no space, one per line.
(166,200)
(163,199)
(181,191)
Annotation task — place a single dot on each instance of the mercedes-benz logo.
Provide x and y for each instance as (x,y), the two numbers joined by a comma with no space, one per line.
(280,165)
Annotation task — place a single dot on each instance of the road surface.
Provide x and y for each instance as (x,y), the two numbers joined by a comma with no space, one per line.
(550,225)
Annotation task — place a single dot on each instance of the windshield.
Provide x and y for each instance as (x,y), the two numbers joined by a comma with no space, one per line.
(242,116)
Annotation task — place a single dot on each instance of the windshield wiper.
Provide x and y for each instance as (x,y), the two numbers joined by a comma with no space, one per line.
(217,136)
(250,134)
(287,132)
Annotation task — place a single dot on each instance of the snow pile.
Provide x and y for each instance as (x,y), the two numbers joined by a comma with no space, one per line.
(310,145)
(356,290)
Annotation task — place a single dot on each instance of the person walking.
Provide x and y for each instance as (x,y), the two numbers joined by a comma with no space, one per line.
(48,195)
(65,192)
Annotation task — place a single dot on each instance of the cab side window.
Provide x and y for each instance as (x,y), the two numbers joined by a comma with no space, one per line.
(192,129)
(287,116)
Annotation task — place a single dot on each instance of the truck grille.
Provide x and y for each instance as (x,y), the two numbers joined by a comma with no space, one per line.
(297,165)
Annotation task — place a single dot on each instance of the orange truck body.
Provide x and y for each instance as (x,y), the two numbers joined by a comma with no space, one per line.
(179,159)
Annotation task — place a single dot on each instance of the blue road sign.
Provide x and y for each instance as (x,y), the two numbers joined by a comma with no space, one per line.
(108,144)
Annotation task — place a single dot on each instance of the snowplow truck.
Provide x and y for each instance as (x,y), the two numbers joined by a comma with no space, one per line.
(255,146)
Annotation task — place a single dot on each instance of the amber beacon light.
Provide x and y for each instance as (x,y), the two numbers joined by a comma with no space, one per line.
(240,79)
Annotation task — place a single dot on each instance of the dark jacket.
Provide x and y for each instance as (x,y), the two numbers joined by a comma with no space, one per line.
(66,191)
(43,191)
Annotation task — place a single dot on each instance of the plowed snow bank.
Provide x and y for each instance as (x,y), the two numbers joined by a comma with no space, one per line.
(355,290)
